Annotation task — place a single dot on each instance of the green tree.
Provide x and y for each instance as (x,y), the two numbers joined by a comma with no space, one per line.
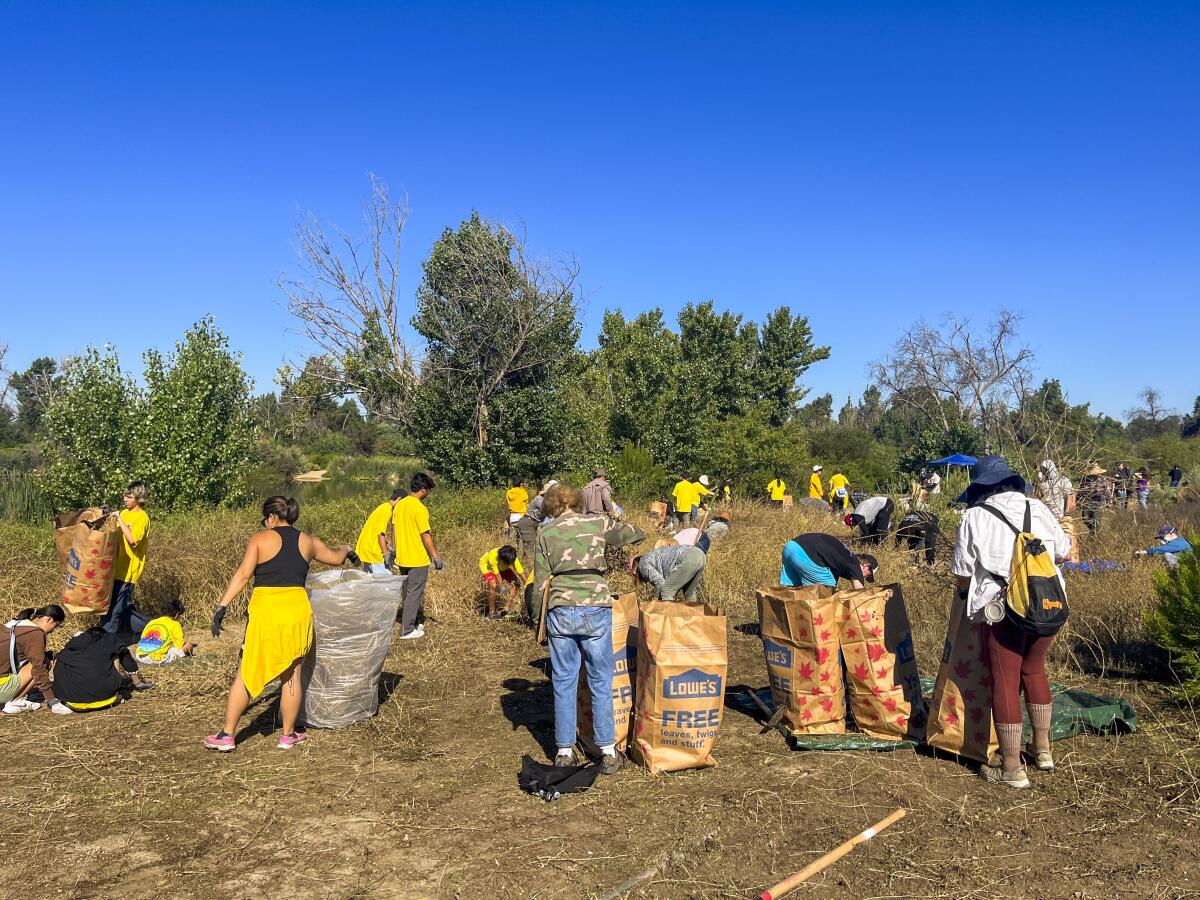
(500,332)
(639,361)
(1174,622)
(785,352)
(89,431)
(34,390)
(195,437)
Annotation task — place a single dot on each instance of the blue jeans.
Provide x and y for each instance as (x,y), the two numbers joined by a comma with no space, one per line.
(799,569)
(122,615)
(586,631)
(1143,497)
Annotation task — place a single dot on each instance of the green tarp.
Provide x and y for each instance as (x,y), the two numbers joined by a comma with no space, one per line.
(1075,712)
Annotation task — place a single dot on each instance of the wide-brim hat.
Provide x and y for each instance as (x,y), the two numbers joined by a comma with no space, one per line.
(1096,470)
(987,473)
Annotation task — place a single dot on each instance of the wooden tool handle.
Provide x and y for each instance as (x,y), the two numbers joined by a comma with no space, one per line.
(792,882)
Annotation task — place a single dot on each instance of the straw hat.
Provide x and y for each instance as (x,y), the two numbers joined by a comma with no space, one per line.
(1096,470)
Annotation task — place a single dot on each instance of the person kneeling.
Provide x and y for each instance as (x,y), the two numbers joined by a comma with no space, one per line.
(501,565)
(162,642)
(88,671)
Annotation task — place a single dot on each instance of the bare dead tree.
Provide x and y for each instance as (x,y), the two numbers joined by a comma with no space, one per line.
(493,315)
(346,302)
(956,373)
(1151,408)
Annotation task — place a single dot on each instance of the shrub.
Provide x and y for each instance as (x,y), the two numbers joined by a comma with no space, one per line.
(1174,622)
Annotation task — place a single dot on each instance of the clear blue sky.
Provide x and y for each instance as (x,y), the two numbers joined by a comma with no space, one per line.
(863,163)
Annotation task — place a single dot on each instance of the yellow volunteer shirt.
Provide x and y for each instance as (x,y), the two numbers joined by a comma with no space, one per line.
(814,487)
(518,500)
(685,496)
(837,481)
(367,547)
(700,491)
(412,520)
(131,558)
(490,562)
(164,629)
(777,489)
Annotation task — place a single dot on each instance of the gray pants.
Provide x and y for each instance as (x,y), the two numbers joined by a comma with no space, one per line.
(686,577)
(413,594)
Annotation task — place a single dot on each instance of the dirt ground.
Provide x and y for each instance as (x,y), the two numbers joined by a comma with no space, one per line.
(422,801)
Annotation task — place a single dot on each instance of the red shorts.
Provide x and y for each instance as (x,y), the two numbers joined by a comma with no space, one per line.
(507,574)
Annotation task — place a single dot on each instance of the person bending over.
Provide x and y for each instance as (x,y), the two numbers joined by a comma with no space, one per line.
(674,570)
(25,661)
(373,545)
(280,631)
(500,565)
(1170,545)
(569,572)
(872,517)
(89,671)
(819,558)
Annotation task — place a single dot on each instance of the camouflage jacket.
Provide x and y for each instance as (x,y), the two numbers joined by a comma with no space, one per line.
(575,543)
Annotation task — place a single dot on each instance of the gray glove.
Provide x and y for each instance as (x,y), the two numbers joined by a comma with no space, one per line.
(438,565)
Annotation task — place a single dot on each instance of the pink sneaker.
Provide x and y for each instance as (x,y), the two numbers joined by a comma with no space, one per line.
(222,743)
(288,741)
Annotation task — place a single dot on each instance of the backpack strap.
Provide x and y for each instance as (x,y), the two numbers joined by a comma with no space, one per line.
(1027,525)
(999,515)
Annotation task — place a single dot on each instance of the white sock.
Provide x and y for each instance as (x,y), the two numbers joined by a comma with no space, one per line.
(566,751)
(609,749)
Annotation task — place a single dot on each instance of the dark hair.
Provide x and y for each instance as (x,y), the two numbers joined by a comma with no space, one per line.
(399,494)
(871,562)
(421,482)
(53,610)
(518,480)
(508,554)
(286,508)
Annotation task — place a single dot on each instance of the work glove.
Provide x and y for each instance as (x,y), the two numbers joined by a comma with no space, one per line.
(438,565)
(218,618)
(1140,553)
(390,560)
(353,559)
(142,685)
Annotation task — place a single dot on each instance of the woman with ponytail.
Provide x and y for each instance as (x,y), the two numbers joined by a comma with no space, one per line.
(280,631)
(25,661)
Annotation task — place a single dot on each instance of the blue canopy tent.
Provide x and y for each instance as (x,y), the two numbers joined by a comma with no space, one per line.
(958,459)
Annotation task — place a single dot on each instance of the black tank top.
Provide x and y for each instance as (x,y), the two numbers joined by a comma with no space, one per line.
(288,567)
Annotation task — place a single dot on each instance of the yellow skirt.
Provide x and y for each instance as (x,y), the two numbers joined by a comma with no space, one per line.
(280,632)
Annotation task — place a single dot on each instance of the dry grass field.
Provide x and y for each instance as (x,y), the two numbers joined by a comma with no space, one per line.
(422,801)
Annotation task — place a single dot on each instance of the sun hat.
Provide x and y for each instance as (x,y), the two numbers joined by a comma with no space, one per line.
(1165,530)
(817,468)
(704,480)
(600,474)
(987,473)
(1096,470)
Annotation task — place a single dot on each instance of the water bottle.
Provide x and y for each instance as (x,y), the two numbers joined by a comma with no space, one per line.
(993,610)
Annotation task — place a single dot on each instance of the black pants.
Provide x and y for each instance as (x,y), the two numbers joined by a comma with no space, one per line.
(1091,518)
(918,535)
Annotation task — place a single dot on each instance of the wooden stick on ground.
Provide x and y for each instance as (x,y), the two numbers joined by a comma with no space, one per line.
(794,881)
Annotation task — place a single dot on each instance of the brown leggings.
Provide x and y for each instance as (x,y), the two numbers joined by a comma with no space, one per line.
(1018,660)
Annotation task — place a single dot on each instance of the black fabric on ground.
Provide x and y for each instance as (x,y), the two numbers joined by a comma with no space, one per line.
(546,781)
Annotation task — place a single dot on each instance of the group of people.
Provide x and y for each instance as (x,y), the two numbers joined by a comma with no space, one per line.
(567,531)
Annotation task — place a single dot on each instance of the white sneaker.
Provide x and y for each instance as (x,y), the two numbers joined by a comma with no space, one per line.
(23,705)
(417,632)
(61,709)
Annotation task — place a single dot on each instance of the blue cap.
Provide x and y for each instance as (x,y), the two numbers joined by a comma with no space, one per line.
(1165,530)
(987,473)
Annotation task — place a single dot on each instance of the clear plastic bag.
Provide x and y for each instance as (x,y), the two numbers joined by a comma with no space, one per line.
(353,615)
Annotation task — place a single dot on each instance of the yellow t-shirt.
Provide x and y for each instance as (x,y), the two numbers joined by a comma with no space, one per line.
(777,489)
(131,558)
(837,481)
(814,487)
(518,500)
(367,547)
(412,520)
(685,496)
(701,491)
(158,637)
(490,562)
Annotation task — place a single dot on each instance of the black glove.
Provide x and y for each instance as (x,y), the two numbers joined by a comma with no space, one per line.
(438,565)
(352,558)
(218,618)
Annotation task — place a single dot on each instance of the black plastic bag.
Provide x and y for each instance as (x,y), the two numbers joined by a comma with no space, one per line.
(551,782)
